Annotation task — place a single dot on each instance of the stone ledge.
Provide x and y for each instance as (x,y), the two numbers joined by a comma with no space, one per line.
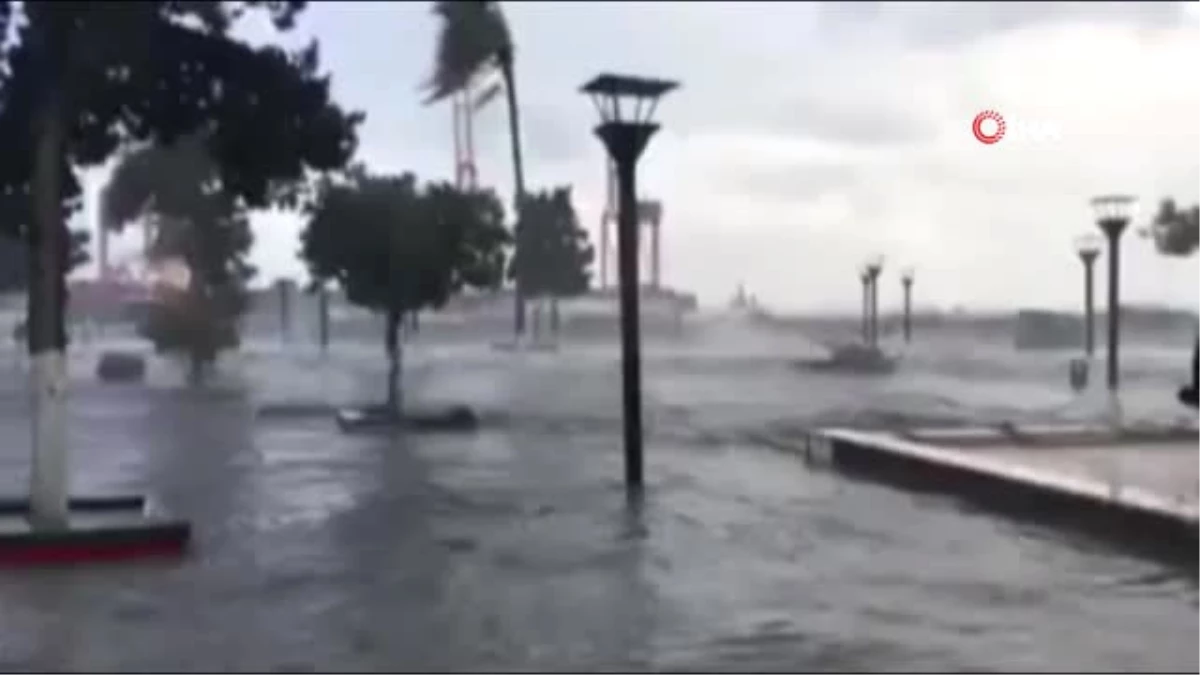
(100,529)
(1128,515)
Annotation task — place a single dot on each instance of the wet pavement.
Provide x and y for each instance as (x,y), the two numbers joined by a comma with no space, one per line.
(515,549)
(1170,471)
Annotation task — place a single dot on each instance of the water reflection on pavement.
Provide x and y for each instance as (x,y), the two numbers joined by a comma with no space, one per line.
(514,548)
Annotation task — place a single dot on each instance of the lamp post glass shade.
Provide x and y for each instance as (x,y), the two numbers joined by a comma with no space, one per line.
(1088,245)
(874,265)
(1113,212)
(626,99)
(906,275)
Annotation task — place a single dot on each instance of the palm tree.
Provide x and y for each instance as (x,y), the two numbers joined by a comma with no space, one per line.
(474,42)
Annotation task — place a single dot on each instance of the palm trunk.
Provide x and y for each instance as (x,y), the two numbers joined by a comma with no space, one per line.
(395,402)
(48,480)
(514,133)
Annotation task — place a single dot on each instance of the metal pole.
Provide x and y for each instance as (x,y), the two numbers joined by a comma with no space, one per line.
(875,310)
(866,310)
(604,250)
(631,359)
(655,255)
(1114,310)
(1089,306)
(907,310)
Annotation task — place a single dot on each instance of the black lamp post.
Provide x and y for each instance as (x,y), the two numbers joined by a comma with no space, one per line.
(1088,248)
(626,105)
(874,268)
(906,281)
(865,278)
(1113,213)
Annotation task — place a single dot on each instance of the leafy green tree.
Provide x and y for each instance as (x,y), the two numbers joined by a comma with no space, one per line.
(475,41)
(553,255)
(396,248)
(78,81)
(14,258)
(175,190)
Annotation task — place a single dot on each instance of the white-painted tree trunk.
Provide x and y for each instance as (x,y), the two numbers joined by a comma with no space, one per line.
(48,477)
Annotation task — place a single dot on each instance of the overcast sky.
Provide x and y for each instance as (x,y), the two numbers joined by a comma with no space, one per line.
(808,136)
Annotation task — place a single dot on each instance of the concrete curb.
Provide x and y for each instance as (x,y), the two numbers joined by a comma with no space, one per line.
(1129,516)
(102,529)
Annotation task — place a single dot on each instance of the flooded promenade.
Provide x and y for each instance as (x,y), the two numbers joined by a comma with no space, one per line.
(514,548)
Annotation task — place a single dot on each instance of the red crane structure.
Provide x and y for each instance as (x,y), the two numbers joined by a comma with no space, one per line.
(650,214)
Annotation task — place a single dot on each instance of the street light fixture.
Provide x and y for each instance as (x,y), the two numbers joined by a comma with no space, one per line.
(1088,247)
(906,281)
(874,267)
(626,105)
(1113,213)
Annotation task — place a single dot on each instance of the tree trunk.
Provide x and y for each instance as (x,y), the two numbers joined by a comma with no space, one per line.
(48,480)
(514,133)
(195,368)
(395,401)
(323,317)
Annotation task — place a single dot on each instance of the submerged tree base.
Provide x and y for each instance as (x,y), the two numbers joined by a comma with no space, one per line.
(115,366)
(385,417)
(526,346)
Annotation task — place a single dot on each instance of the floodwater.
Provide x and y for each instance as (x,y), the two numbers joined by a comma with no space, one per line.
(515,549)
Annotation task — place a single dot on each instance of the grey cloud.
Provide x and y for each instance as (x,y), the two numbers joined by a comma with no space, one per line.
(791,182)
(852,122)
(552,134)
(948,25)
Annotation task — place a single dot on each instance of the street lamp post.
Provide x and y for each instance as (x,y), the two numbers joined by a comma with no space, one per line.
(874,268)
(626,105)
(1088,248)
(1113,213)
(906,281)
(865,278)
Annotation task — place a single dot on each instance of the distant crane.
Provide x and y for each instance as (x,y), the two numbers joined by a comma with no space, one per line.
(478,92)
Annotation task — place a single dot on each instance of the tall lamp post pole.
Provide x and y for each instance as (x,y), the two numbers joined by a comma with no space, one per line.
(1088,248)
(874,268)
(1113,213)
(865,278)
(626,105)
(906,282)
